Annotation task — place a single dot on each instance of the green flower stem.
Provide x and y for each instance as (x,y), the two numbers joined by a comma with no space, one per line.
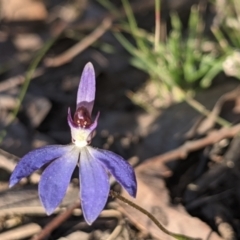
(148,214)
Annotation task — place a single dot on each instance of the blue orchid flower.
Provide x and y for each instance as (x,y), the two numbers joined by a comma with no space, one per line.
(94,164)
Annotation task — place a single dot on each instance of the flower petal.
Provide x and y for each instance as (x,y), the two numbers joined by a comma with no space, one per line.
(95,123)
(118,167)
(86,89)
(55,180)
(94,186)
(70,120)
(36,159)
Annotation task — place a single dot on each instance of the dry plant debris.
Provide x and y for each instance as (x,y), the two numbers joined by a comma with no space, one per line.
(193,189)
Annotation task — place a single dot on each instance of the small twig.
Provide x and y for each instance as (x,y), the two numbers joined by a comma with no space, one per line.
(56,222)
(30,73)
(200,108)
(8,161)
(27,79)
(105,25)
(6,223)
(200,201)
(111,213)
(116,214)
(224,228)
(8,102)
(18,80)
(30,211)
(115,233)
(194,145)
(68,55)
(21,232)
(148,214)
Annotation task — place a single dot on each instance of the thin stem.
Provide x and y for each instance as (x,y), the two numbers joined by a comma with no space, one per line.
(133,25)
(30,73)
(220,38)
(56,222)
(157,24)
(200,108)
(148,214)
(28,78)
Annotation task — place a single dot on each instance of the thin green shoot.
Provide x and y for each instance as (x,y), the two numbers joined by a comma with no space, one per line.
(29,74)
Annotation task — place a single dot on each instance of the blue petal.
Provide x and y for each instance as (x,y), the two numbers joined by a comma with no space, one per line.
(36,159)
(118,167)
(86,89)
(94,186)
(55,179)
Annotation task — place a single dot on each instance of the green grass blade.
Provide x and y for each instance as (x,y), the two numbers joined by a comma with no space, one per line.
(133,25)
(28,78)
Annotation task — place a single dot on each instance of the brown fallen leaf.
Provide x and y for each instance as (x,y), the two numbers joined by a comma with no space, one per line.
(153,196)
